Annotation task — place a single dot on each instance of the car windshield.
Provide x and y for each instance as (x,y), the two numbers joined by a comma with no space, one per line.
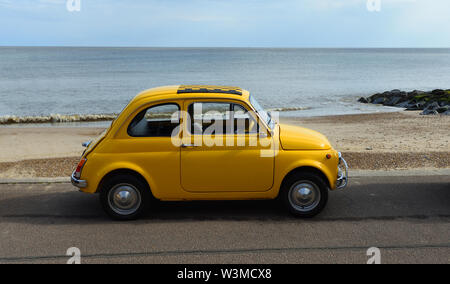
(262,112)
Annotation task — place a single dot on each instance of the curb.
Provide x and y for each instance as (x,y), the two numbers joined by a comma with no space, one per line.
(35,180)
(399,173)
(352,174)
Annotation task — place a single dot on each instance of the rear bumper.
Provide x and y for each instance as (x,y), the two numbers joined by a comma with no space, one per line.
(342,179)
(77,182)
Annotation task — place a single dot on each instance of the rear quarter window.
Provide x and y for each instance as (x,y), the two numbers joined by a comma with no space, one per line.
(155,121)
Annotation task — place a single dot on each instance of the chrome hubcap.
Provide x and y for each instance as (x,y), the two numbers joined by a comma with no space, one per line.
(304,196)
(124,199)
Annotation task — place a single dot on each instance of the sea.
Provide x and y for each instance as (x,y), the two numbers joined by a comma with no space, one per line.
(88,81)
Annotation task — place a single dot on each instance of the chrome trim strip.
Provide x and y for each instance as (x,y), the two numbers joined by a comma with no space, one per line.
(78,183)
(86,144)
(342,180)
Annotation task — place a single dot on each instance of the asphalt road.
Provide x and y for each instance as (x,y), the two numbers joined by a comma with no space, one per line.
(407,218)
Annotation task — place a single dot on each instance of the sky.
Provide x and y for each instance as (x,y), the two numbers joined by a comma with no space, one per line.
(226,23)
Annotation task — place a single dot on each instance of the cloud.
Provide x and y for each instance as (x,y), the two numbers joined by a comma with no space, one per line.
(306,23)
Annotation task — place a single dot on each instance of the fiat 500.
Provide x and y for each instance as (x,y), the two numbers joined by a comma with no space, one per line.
(180,143)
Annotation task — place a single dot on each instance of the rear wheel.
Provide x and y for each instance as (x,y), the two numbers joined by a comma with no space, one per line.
(305,194)
(124,197)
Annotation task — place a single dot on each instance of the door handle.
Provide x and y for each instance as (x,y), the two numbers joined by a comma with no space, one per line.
(189,145)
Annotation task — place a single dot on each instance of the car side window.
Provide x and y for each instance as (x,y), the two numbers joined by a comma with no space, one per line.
(156,121)
(220,118)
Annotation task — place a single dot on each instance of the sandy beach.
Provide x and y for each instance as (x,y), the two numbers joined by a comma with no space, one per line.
(398,140)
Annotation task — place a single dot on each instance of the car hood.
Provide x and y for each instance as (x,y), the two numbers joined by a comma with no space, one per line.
(299,138)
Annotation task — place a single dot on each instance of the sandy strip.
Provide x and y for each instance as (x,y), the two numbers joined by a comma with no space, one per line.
(383,132)
(63,167)
(17,144)
(400,140)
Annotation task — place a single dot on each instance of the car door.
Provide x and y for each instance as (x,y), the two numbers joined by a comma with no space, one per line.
(216,156)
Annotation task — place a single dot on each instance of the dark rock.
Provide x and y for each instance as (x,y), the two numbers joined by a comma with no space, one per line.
(413,107)
(421,104)
(405,98)
(442,109)
(416,106)
(416,93)
(433,112)
(434,102)
(438,92)
(378,100)
(392,101)
(363,100)
(428,112)
(376,96)
(446,113)
(432,106)
(413,94)
(403,104)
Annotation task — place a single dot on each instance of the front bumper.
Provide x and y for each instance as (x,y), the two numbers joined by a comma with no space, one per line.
(342,179)
(77,182)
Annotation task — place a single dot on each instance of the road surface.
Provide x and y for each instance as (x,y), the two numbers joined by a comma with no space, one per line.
(407,218)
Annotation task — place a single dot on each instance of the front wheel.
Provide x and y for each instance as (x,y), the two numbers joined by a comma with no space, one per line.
(305,194)
(124,197)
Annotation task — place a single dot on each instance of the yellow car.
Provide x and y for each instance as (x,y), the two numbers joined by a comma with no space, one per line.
(180,143)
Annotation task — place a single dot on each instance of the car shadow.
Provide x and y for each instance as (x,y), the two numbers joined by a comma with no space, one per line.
(360,202)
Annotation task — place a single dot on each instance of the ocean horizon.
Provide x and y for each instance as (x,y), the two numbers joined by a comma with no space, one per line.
(41,81)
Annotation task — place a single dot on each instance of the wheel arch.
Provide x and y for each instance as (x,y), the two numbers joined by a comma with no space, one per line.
(309,169)
(125,171)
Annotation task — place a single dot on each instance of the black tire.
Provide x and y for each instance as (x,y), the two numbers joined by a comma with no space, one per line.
(312,183)
(124,183)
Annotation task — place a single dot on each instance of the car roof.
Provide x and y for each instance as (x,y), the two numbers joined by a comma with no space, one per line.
(193,91)
(180,92)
